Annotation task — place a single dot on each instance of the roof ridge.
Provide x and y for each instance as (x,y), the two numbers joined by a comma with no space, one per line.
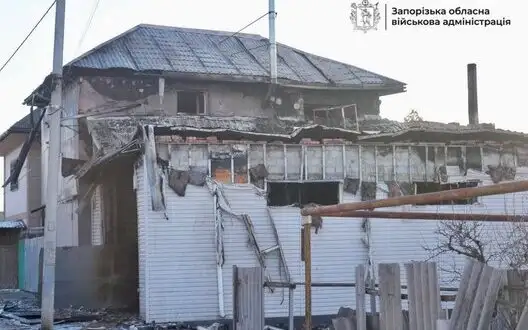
(195,30)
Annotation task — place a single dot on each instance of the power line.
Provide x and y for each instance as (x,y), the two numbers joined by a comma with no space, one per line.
(245,27)
(27,37)
(88,24)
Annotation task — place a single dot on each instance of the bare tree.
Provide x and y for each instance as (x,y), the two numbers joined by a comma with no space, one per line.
(507,247)
(413,116)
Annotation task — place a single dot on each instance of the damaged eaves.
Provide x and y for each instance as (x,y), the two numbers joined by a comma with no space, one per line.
(112,133)
(447,133)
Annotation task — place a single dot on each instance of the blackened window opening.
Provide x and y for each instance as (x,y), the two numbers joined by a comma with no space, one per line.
(191,102)
(299,194)
(428,187)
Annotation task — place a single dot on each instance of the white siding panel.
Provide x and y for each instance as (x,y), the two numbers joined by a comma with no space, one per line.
(16,200)
(244,199)
(180,257)
(288,222)
(336,251)
(142,211)
(97,219)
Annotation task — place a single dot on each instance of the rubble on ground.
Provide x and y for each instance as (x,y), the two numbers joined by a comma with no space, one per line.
(20,310)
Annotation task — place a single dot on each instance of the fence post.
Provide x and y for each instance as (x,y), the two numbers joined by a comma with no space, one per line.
(411,296)
(248,298)
(361,316)
(391,317)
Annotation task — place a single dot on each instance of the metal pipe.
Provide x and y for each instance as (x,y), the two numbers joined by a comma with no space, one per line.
(429,216)
(307,223)
(290,308)
(273,43)
(447,195)
(218,243)
(472,94)
(347,285)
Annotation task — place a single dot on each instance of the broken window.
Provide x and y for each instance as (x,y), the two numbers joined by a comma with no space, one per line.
(13,185)
(191,102)
(428,187)
(299,194)
(221,166)
(474,158)
(345,116)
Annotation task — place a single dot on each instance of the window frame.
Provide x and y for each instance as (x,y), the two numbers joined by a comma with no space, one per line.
(201,93)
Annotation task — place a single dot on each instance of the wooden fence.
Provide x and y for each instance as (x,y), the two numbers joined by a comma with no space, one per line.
(487,298)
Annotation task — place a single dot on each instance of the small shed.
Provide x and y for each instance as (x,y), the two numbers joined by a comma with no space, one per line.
(9,237)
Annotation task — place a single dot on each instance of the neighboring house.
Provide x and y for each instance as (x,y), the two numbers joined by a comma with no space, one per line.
(19,196)
(181,157)
(22,194)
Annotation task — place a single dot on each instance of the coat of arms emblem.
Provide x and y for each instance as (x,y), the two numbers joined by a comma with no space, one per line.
(365,16)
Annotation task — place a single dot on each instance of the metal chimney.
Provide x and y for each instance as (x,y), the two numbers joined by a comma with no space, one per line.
(472,94)
(273,42)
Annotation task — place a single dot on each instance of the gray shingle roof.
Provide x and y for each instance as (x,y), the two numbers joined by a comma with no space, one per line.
(148,48)
(24,125)
(12,224)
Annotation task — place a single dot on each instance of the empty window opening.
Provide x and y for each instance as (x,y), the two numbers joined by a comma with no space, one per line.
(13,185)
(221,167)
(427,187)
(191,102)
(299,194)
(335,116)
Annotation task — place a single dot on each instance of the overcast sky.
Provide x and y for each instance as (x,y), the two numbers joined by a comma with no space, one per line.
(431,60)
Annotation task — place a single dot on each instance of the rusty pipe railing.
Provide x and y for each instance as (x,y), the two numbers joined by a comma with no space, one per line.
(430,216)
(346,209)
(439,196)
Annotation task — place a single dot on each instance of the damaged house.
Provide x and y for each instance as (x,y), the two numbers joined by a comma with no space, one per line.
(180,160)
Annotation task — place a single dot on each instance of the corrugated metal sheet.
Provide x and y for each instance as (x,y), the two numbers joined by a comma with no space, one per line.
(12,224)
(177,256)
(97,217)
(31,274)
(244,199)
(173,49)
(336,251)
(143,219)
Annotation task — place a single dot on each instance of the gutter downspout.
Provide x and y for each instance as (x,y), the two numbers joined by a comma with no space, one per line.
(219,255)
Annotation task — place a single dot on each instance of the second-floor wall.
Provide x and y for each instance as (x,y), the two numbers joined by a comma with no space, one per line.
(169,97)
(15,194)
(23,195)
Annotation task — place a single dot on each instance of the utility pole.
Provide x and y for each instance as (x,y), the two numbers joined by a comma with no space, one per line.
(52,196)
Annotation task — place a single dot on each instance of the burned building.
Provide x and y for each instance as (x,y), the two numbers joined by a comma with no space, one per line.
(180,160)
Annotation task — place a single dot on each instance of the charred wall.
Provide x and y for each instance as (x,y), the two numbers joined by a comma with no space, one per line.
(104,94)
(105,275)
(368,163)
